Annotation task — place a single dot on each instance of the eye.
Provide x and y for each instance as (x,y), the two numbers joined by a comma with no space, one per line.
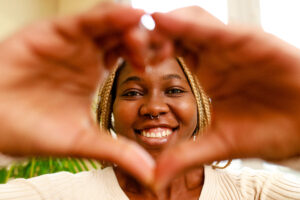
(131,93)
(175,91)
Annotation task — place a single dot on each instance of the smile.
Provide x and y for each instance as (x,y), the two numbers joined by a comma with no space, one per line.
(156,132)
(155,136)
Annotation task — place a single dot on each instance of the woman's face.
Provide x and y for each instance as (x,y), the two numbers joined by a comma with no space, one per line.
(161,91)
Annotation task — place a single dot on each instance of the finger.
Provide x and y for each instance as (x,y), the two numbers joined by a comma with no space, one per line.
(165,51)
(128,155)
(108,42)
(192,60)
(177,160)
(207,32)
(136,42)
(160,48)
(190,57)
(201,31)
(110,58)
(172,26)
(108,18)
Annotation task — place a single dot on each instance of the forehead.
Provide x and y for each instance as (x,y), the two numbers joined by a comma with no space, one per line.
(168,67)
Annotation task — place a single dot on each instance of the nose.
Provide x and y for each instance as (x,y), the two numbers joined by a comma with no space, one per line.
(154,106)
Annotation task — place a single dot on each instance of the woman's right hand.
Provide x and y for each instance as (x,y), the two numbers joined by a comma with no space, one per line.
(49,75)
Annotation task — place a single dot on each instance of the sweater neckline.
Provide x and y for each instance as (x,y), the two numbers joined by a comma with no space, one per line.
(211,184)
(209,189)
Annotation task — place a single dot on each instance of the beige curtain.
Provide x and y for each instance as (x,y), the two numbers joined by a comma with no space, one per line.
(244,12)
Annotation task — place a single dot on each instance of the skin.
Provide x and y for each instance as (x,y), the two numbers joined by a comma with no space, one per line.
(161,90)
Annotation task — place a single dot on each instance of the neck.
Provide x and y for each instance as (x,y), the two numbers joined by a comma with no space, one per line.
(186,186)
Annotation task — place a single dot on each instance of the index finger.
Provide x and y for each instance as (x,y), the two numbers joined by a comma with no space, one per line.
(186,156)
(108,17)
(128,155)
(204,29)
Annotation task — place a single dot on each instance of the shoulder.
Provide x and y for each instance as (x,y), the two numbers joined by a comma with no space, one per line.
(65,185)
(249,183)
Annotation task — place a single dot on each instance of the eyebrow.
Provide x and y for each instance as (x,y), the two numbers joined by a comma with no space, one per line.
(131,78)
(165,77)
(171,76)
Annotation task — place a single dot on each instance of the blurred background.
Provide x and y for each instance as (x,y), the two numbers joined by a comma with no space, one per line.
(279,17)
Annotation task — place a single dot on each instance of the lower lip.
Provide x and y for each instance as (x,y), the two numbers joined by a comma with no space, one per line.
(151,142)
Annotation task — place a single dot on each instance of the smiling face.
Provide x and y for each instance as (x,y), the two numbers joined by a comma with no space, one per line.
(162,91)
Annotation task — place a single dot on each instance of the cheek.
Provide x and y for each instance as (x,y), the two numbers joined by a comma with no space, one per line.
(187,112)
(125,115)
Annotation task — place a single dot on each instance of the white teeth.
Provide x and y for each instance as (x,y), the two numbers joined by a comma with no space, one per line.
(168,132)
(156,134)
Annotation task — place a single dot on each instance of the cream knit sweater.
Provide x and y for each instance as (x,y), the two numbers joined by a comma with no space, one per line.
(103,185)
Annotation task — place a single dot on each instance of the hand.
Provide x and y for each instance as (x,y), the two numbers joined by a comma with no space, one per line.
(253,80)
(49,74)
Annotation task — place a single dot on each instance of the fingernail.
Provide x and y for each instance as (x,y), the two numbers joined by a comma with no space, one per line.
(147,22)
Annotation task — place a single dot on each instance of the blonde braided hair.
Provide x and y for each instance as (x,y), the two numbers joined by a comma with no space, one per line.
(104,101)
(202,99)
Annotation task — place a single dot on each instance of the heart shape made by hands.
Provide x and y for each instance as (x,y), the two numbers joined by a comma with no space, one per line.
(51,70)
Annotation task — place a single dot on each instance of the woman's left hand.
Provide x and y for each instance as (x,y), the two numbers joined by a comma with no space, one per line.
(253,80)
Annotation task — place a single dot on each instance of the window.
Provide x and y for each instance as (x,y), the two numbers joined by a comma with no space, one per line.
(281,18)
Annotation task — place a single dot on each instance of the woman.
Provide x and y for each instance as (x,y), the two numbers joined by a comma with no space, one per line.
(167,105)
(154,109)
(163,106)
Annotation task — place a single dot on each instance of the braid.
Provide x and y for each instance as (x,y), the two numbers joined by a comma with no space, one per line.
(205,103)
(202,100)
(104,102)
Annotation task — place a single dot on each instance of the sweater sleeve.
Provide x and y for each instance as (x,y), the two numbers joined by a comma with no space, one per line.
(89,185)
(249,184)
(45,187)
(263,185)
(62,186)
(281,186)
(18,190)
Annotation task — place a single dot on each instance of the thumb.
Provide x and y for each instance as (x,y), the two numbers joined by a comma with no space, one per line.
(187,155)
(136,41)
(128,155)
